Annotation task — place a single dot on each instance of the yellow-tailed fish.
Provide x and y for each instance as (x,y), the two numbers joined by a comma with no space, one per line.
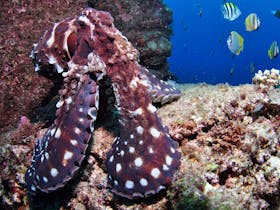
(273,51)
(235,43)
(230,11)
(252,22)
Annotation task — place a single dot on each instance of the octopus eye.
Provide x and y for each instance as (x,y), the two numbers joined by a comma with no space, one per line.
(72,43)
(82,23)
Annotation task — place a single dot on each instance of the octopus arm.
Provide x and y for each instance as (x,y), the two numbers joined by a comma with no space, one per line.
(160,91)
(59,153)
(143,159)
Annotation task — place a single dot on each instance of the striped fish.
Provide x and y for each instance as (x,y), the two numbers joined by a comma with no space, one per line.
(230,11)
(252,22)
(273,51)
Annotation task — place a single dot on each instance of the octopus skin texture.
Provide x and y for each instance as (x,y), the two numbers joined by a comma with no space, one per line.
(92,55)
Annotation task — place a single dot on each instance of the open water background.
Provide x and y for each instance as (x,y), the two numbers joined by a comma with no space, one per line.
(200,52)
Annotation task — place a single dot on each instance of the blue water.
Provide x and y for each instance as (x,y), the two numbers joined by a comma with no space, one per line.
(200,52)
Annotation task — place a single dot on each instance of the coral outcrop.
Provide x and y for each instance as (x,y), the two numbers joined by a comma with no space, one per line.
(267,78)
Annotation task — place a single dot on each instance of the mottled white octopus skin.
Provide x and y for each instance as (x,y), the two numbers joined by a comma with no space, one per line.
(143,158)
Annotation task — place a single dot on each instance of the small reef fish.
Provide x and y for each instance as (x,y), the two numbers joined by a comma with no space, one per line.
(252,22)
(273,51)
(276,13)
(230,11)
(231,71)
(252,68)
(235,43)
(200,10)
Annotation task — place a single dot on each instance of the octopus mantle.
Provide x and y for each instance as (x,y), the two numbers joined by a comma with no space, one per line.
(92,55)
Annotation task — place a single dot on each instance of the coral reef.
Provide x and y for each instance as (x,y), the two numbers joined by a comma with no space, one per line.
(146,24)
(231,142)
(186,193)
(230,156)
(15,150)
(267,78)
(229,136)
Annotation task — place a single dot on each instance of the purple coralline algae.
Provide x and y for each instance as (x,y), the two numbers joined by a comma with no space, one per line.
(22,22)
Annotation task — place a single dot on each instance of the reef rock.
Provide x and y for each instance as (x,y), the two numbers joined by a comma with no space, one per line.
(230,145)
(22,22)
(230,156)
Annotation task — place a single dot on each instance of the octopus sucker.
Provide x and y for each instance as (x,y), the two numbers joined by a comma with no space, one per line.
(93,56)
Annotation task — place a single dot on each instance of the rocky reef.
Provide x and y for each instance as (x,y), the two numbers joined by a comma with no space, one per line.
(230,155)
(230,147)
(22,23)
(229,136)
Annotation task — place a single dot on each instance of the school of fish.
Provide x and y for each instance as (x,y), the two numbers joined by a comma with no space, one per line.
(235,41)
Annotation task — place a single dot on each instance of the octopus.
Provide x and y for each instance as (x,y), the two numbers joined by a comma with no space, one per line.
(96,61)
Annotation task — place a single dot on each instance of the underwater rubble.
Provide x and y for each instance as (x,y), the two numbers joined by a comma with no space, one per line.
(230,145)
(230,142)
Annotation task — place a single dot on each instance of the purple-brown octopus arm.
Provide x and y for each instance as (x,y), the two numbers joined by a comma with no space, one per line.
(160,91)
(143,157)
(59,153)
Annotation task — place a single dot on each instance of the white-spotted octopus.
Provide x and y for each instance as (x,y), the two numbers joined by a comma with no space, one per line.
(91,54)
